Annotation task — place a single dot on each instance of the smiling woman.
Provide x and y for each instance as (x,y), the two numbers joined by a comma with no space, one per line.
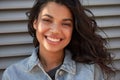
(53,28)
(66,45)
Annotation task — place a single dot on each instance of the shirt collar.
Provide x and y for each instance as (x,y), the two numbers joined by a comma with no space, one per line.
(68,64)
(33,60)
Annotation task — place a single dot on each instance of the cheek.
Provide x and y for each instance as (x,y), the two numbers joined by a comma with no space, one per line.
(68,33)
(41,28)
(40,32)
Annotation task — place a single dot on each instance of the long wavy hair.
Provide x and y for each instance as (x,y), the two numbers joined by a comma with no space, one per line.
(86,45)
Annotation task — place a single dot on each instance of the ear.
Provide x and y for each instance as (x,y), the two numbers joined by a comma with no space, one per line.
(35,24)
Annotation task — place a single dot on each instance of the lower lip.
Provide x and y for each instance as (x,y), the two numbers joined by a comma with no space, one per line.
(52,42)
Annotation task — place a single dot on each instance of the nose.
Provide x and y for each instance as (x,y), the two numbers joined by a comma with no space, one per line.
(55,28)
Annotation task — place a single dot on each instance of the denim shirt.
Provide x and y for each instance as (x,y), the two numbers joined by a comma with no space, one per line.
(31,69)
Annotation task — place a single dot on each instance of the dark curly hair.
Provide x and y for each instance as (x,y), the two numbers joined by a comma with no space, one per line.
(86,45)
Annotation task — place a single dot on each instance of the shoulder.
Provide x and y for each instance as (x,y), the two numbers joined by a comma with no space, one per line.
(15,68)
(98,73)
(24,64)
(92,70)
(21,67)
(86,68)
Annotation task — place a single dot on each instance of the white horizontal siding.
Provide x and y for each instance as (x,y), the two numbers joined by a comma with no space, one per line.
(114,43)
(16,4)
(10,15)
(100,2)
(9,60)
(105,10)
(18,38)
(15,50)
(13,27)
(16,43)
(108,21)
(110,32)
(115,53)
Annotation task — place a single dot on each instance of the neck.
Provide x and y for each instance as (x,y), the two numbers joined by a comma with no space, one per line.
(50,60)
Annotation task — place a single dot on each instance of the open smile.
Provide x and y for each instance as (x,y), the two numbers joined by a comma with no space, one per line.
(53,39)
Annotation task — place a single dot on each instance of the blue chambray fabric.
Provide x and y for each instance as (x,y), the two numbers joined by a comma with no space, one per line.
(31,69)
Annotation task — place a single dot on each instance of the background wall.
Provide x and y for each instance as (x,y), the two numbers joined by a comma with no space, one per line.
(16,44)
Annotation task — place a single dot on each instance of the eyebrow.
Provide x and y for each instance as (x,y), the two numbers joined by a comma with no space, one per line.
(66,19)
(48,15)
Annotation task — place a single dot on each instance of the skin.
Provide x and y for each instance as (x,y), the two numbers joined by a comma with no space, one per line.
(54,28)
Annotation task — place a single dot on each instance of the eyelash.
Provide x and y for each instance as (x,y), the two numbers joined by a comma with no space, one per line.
(47,20)
(66,24)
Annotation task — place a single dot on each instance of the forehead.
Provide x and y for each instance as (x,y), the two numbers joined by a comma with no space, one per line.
(55,9)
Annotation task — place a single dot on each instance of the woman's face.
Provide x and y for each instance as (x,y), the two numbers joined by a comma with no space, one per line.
(54,27)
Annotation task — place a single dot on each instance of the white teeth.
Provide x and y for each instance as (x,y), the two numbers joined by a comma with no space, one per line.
(53,39)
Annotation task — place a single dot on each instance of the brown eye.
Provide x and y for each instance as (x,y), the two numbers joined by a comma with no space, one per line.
(67,24)
(46,20)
